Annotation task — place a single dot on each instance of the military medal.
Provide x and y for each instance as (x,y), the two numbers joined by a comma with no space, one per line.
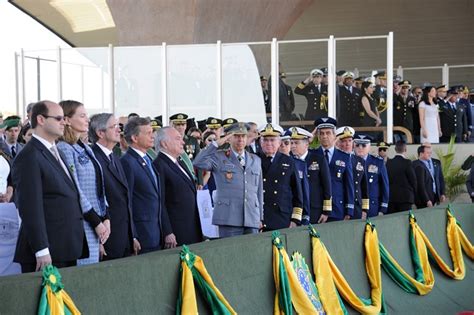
(359,167)
(373,168)
(338,174)
(371,180)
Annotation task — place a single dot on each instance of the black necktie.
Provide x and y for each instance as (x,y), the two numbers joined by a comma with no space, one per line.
(112,161)
(266,162)
(326,155)
(13,151)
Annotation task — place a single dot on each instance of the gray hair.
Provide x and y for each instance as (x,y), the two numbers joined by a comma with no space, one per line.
(29,107)
(161,135)
(132,128)
(98,122)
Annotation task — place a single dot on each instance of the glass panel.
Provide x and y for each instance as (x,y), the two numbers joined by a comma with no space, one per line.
(308,93)
(138,80)
(192,80)
(462,76)
(41,75)
(242,95)
(361,60)
(423,77)
(85,77)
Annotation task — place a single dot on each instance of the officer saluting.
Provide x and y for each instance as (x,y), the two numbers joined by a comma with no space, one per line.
(282,192)
(340,167)
(377,176)
(316,94)
(345,136)
(318,175)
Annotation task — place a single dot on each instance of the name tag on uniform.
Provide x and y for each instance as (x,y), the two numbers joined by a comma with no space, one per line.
(284,165)
(373,168)
(314,166)
(340,163)
(359,167)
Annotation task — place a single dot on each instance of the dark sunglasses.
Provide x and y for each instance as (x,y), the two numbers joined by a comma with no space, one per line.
(361,145)
(382,149)
(57,118)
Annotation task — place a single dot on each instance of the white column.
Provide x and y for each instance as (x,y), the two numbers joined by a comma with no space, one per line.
(17,87)
(60,74)
(219,109)
(23,88)
(164,83)
(275,83)
(389,88)
(445,74)
(332,77)
(111,79)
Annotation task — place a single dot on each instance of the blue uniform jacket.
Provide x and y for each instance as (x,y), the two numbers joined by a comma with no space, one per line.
(378,185)
(342,184)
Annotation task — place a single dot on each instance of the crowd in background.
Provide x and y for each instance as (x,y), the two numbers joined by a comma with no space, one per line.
(428,113)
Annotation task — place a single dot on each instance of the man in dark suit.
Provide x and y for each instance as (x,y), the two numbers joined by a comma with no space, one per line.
(149,215)
(282,191)
(348,101)
(104,133)
(453,118)
(179,186)
(470,183)
(52,230)
(402,180)
(318,177)
(430,181)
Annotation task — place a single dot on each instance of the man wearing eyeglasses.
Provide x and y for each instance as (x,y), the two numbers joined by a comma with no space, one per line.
(47,199)
(340,168)
(377,176)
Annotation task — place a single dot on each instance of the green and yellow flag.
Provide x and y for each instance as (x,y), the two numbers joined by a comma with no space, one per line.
(54,299)
(192,267)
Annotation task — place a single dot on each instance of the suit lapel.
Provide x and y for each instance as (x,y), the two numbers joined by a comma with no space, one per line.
(114,170)
(55,163)
(144,166)
(177,170)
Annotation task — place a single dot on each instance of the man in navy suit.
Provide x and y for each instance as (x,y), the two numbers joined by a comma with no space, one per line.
(282,192)
(149,216)
(104,133)
(340,168)
(429,177)
(179,186)
(51,230)
(377,177)
(317,171)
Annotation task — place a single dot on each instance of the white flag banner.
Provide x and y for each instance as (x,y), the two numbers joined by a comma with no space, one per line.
(9,228)
(205,214)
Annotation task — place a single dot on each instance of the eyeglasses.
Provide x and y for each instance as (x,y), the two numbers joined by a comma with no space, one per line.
(57,118)
(382,149)
(113,126)
(361,145)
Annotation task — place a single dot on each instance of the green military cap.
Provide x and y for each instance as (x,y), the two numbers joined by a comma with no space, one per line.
(179,118)
(238,128)
(10,122)
(213,123)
